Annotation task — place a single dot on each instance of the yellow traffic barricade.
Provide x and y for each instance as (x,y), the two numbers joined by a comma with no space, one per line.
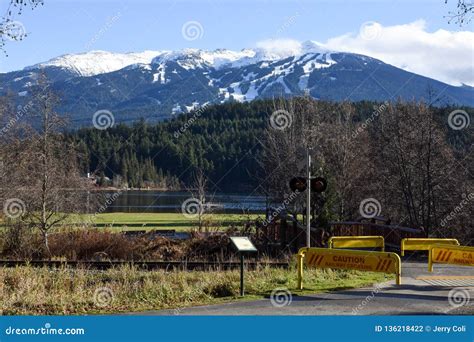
(348,259)
(356,242)
(421,244)
(449,254)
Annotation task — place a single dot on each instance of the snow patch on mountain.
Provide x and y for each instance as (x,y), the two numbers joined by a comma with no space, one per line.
(159,76)
(190,59)
(98,62)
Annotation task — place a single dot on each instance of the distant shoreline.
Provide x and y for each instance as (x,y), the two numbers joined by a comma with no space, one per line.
(111,188)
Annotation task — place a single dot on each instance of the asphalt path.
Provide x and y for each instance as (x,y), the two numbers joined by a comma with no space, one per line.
(448,290)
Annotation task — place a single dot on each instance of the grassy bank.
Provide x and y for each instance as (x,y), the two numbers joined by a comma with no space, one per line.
(34,291)
(176,221)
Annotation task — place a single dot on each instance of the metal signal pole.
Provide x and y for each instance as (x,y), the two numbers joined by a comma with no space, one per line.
(308,199)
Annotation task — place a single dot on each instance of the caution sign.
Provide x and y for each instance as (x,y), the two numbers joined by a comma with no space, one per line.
(348,259)
(455,255)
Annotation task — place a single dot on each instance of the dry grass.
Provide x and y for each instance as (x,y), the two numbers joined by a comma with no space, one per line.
(35,291)
(99,244)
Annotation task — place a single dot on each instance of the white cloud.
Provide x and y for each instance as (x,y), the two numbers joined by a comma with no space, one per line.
(447,56)
(280,47)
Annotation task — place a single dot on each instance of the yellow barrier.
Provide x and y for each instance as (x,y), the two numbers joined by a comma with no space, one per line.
(419,244)
(448,254)
(348,259)
(356,242)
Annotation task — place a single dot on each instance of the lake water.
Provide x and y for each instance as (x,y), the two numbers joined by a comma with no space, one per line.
(135,201)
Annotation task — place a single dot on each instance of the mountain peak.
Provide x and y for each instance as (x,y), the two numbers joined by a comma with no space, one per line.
(311,46)
(196,58)
(97,62)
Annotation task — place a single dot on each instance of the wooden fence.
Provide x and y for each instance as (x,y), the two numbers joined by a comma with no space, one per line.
(290,235)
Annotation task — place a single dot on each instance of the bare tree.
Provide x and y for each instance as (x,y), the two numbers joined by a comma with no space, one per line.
(342,153)
(10,28)
(41,167)
(198,190)
(398,154)
(284,139)
(463,13)
(328,129)
(414,165)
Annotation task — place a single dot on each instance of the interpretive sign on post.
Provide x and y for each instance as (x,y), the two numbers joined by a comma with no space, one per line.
(243,246)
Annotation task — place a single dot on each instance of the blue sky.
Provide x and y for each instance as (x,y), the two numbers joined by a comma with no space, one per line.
(61,27)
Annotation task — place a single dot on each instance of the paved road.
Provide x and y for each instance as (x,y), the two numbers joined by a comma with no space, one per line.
(422,293)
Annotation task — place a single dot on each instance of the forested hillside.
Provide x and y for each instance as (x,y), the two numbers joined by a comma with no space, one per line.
(225,141)
(221,140)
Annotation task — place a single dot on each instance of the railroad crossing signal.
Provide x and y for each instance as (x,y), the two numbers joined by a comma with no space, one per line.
(298,184)
(317,184)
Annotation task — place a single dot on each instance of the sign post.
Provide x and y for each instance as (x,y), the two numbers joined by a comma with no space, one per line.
(242,275)
(243,245)
(316,184)
(308,200)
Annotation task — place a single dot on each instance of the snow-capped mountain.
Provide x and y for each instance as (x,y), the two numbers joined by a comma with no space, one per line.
(97,62)
(159,84)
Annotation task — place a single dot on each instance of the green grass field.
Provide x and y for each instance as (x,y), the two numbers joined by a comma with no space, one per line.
(176,221)
(148,221)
